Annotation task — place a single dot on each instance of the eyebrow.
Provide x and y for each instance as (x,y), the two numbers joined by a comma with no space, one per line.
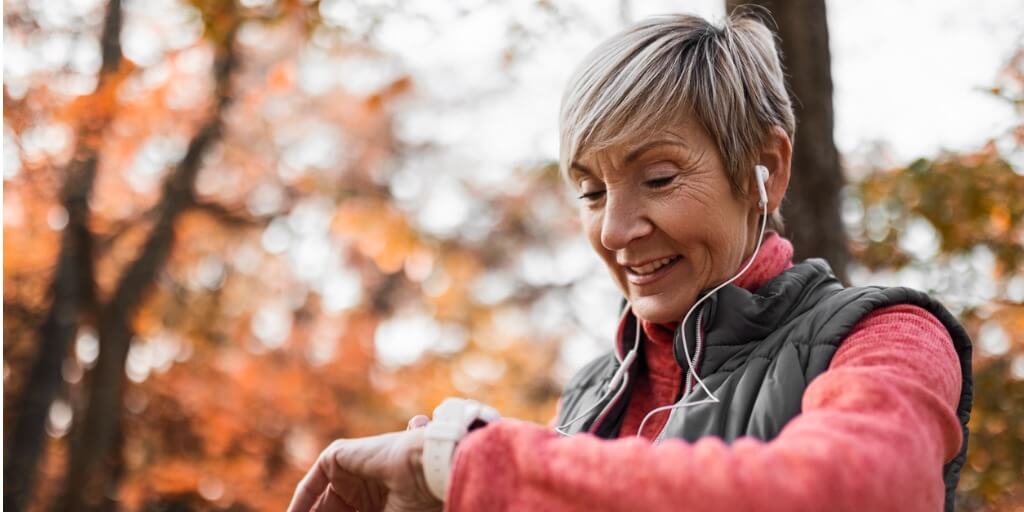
(581,168)
(634,154)
(638,152)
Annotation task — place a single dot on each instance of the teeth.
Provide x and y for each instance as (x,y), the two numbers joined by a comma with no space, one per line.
(652,266)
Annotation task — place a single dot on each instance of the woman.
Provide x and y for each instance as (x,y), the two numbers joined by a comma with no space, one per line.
(740,381)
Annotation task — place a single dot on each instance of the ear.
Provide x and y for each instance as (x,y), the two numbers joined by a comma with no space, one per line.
(776,155)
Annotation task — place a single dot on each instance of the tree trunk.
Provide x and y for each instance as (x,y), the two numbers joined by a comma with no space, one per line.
(87,484)
(812,206)
(72,290)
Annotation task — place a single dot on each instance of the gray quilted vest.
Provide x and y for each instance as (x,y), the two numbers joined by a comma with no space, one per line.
(758,353)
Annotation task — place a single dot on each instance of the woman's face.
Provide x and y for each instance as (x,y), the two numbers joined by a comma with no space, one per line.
(660,212)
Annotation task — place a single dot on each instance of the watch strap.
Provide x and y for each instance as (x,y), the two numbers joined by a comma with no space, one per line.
(451,422)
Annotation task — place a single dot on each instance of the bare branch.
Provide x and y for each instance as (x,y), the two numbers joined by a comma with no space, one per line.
(231,217)
(100,420)
(72,291)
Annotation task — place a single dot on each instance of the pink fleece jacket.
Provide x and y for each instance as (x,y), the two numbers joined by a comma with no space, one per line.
(875,430)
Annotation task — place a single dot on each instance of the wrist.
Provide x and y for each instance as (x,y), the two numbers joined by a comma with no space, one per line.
(415,463)
(452,420)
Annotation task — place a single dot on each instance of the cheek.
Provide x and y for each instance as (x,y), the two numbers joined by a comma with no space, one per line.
(701,225)
(687,222)
(726,236)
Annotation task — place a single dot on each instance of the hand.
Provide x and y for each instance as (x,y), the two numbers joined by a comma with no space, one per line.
(379,473)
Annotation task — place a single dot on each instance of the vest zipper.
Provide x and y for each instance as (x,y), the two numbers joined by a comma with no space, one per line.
(698,349)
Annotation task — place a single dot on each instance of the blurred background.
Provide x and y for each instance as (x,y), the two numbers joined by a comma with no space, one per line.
(234,231)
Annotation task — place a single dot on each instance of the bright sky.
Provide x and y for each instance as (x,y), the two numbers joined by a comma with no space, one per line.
(908,73)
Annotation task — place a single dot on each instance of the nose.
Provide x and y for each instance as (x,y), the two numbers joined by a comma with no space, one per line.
(624,221)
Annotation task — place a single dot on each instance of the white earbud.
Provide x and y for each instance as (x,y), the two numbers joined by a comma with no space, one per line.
(761,173)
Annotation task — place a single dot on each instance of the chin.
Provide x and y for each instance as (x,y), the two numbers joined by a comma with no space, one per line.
(657,311)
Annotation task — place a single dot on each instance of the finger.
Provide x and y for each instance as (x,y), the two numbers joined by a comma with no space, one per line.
(330,502)
(312,485)
(335,503)
(319,505)
(418,421)
(353,476)
(363,493)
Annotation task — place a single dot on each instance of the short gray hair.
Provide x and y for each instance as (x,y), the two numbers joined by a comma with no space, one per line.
(661,69)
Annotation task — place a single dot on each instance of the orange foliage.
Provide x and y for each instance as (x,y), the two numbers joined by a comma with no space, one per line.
(258,341)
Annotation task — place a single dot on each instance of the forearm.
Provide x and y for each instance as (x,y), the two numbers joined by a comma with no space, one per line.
(519,467)
(875,431)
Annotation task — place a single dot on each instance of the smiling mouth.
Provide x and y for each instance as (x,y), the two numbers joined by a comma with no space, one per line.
(652,267)
(651,272)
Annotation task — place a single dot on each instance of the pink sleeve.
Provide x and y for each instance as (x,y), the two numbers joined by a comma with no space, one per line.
(874,433)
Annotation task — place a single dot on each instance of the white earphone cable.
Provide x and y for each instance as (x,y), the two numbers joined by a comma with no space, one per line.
(622,373)
(689,360)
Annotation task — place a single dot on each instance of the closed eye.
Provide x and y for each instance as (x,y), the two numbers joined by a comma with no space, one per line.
(660,182)
(592,196)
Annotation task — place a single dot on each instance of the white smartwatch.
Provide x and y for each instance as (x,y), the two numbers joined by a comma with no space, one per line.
(452,420)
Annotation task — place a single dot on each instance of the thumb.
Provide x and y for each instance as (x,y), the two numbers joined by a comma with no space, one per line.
(418,421)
